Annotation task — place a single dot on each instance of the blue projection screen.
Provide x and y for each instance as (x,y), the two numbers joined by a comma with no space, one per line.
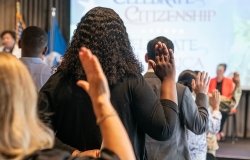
(204,32)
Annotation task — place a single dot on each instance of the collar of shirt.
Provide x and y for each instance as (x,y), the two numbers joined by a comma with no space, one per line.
(32,60)
(150,70)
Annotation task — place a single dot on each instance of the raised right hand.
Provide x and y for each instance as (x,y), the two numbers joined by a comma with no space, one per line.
(201,83)
(164,64)
(96,85)
(214,100)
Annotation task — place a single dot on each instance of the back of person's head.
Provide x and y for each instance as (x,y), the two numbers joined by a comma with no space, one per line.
(153,42)
(186,77)
(34,41)
(21,131)
(11,33)
(103,32)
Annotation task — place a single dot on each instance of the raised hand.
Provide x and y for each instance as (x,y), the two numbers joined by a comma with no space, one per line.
(164,64)
(97,88)
(214,100)
(96,85)
(201,83)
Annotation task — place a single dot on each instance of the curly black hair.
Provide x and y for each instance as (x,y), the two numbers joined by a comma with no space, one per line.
(103,32)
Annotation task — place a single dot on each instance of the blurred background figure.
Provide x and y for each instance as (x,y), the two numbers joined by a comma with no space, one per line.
(34,43)
(223,84)
(214,125)
(230,91)
(9,44)
(237,90)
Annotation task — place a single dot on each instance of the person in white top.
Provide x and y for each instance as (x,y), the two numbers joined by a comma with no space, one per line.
(203,144)
(9,44)
(34,43)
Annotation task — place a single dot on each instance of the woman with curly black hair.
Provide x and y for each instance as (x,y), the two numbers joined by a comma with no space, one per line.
(103,32)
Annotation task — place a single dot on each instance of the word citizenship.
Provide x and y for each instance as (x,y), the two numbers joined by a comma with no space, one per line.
(170,3)
(135,14)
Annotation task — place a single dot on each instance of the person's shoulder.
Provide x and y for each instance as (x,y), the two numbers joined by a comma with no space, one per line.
(212,83)
(213,79)
(16,51)
(59,75)
(227,79)
(151,78)
(150,75)
(133,77)
(132,81)
(56,80)
(181,88)
(182,91)
(46,69)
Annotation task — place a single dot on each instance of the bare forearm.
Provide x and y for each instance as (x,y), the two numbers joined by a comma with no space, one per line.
(113,132)
(168,90)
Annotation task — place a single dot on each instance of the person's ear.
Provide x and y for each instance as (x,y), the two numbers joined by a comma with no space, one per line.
(45,51)
(19,44)
(146,57)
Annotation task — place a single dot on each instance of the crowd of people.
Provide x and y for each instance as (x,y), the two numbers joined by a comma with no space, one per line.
(97,104)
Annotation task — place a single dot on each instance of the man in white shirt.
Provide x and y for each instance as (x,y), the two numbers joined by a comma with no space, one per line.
(34,43)
(9,45)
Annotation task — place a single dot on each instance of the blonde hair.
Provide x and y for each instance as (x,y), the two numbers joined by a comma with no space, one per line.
(21,131)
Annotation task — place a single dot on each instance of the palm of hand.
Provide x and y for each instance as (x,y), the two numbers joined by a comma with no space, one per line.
(96,85)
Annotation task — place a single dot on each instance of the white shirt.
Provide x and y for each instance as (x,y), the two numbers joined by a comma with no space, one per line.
(16,51)
(38,69)
(197,144)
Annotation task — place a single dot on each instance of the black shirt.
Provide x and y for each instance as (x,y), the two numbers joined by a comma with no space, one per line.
(139,109)
(219,86)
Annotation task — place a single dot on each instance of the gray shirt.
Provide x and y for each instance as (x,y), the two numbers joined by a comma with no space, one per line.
(39,70)
(193,115)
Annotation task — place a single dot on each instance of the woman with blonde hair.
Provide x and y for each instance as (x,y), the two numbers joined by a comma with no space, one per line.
(24,136)
(21,132)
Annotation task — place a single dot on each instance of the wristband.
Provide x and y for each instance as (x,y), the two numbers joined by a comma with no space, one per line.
(100,120)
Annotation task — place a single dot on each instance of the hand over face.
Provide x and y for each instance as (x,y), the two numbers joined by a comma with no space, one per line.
(96,85)
(201,83)
(164,64)
(214,100)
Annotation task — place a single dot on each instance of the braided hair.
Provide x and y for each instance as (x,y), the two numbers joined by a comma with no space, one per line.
(103,32)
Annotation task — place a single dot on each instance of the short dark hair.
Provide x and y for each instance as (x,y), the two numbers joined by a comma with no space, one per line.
(34,39)
(12,33)
(196,72)
(153,42)
(224,65)
(186,78)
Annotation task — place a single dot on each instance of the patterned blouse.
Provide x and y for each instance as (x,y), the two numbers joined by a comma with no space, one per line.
(197,144)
